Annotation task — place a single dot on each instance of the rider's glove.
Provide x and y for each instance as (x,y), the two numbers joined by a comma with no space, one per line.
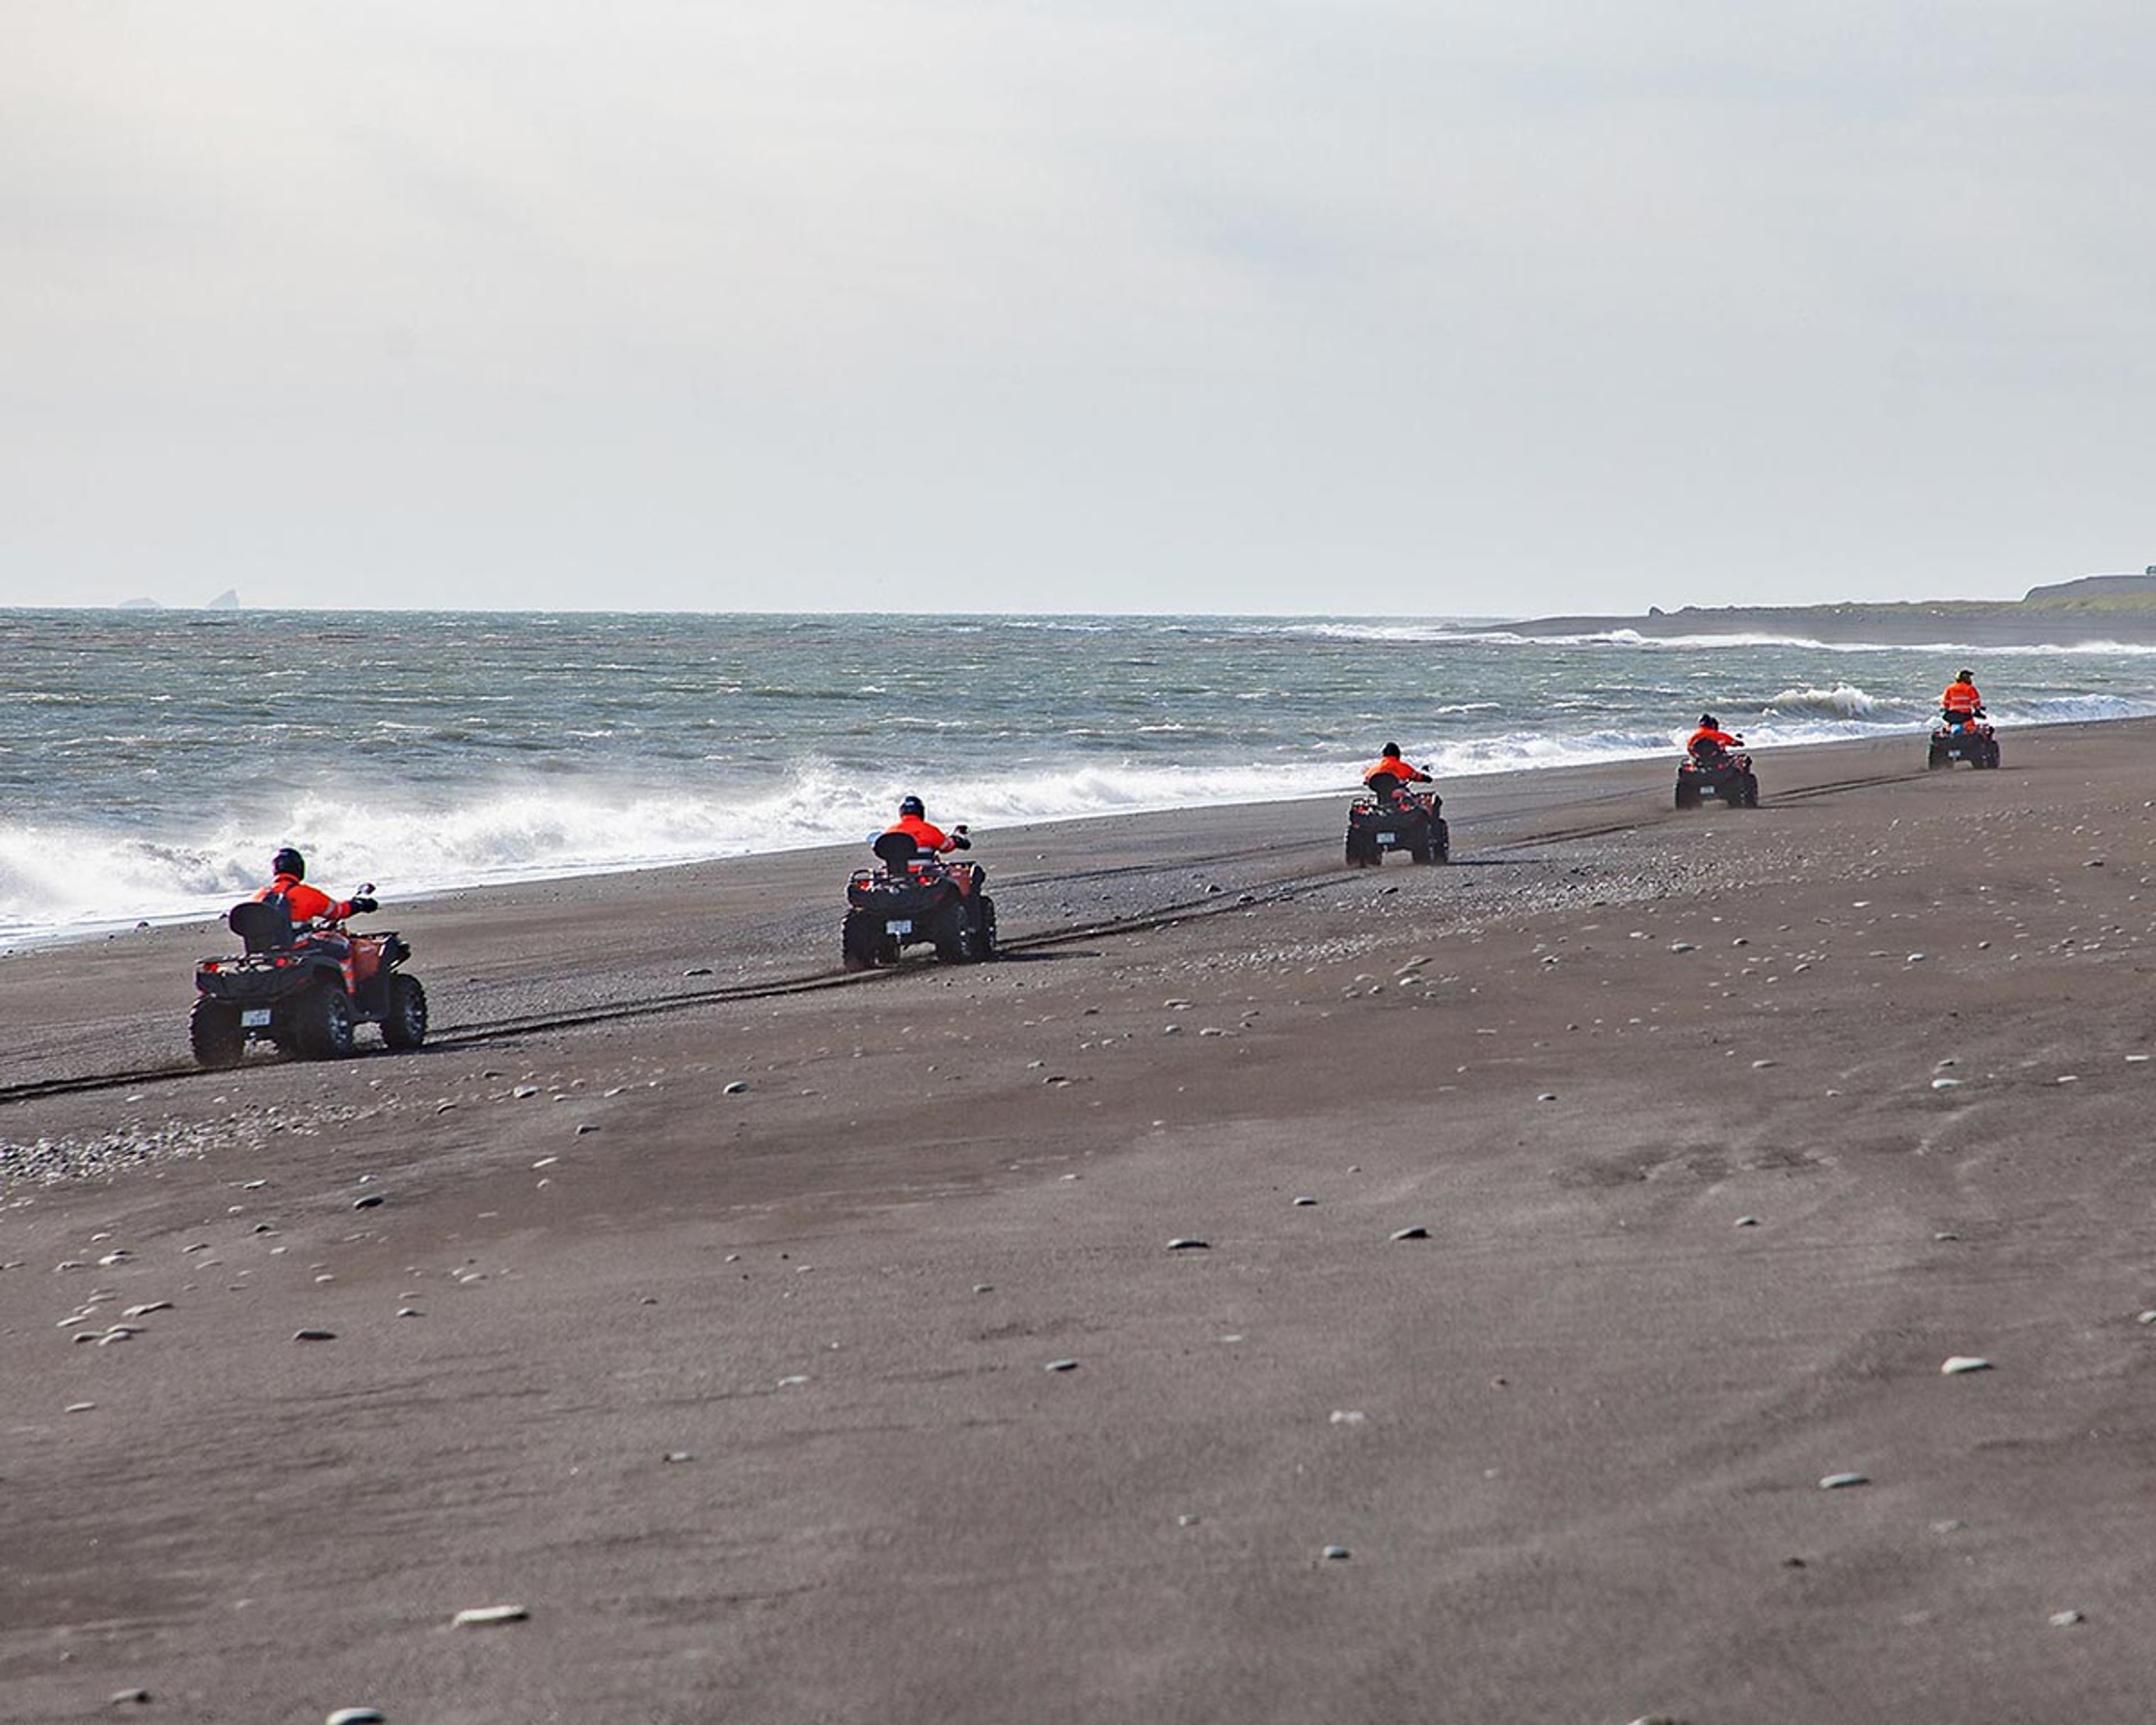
(361,906)
(961,842)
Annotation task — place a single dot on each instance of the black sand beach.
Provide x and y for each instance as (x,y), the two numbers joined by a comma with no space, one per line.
(722,1336)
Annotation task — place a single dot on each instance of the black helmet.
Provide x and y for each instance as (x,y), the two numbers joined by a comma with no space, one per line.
(1392,749)
(1964,675)
(288,861)
(1710,721)
(912,805)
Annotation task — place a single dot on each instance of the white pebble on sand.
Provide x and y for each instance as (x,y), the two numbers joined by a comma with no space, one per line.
(1348,1416)
(1186,1244)
(1417,1232)
(355,1715)
(2066,1619)
(1837,1481)
(1960,1363)
(481,1616)
(1060,1365)
(1946,1084)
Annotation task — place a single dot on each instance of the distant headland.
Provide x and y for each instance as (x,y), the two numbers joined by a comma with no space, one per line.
(2095,607)
(228,600)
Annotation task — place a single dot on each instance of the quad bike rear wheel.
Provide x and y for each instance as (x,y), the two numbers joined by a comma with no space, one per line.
(1935,759)
(215,1034)
(859,940)
(1687,798)
(405,1025)
(323,1030)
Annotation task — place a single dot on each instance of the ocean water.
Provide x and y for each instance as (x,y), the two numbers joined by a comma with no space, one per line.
(150,761)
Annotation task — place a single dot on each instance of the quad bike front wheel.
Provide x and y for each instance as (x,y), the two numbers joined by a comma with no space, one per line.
(324,1023)
(215,1034)
(404,1025)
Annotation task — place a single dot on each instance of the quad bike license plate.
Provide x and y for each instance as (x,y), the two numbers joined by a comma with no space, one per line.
(256,1017)
(900,925)
(1387,837)
(1709,790)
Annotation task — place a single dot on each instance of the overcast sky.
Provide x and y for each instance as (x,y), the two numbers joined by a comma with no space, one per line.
(1439,306)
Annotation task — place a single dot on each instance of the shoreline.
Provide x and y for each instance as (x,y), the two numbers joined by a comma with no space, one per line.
(50,939)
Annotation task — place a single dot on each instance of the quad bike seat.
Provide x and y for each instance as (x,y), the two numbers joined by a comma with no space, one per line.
(264,924)
(896,851)
(1708,753)
(1383,786)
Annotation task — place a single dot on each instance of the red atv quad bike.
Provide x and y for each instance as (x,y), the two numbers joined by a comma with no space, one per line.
(304,990)
(1709,773)
(912,897)
(1388,819)
(1963,736)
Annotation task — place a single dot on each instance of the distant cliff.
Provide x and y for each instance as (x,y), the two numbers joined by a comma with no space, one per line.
(2097,607)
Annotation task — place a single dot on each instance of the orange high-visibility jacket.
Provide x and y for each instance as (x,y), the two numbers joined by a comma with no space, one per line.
(306,903)
(1399,769)
(927,837)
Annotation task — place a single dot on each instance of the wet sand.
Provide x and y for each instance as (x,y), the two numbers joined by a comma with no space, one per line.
(719,1338)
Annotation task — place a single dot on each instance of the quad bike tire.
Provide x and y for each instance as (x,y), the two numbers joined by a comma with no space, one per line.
(322,1026)
(1687,798)
(215,1034)
(1362,852)
(958,939)
(1440,849)
(1935,759)
(404,1023)
(860,942)
(1748,792)
(1991,757)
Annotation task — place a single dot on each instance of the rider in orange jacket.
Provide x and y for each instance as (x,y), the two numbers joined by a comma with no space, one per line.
(303,903)
(1390,762)
(1960,701)
(913,822)
(1710,731)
